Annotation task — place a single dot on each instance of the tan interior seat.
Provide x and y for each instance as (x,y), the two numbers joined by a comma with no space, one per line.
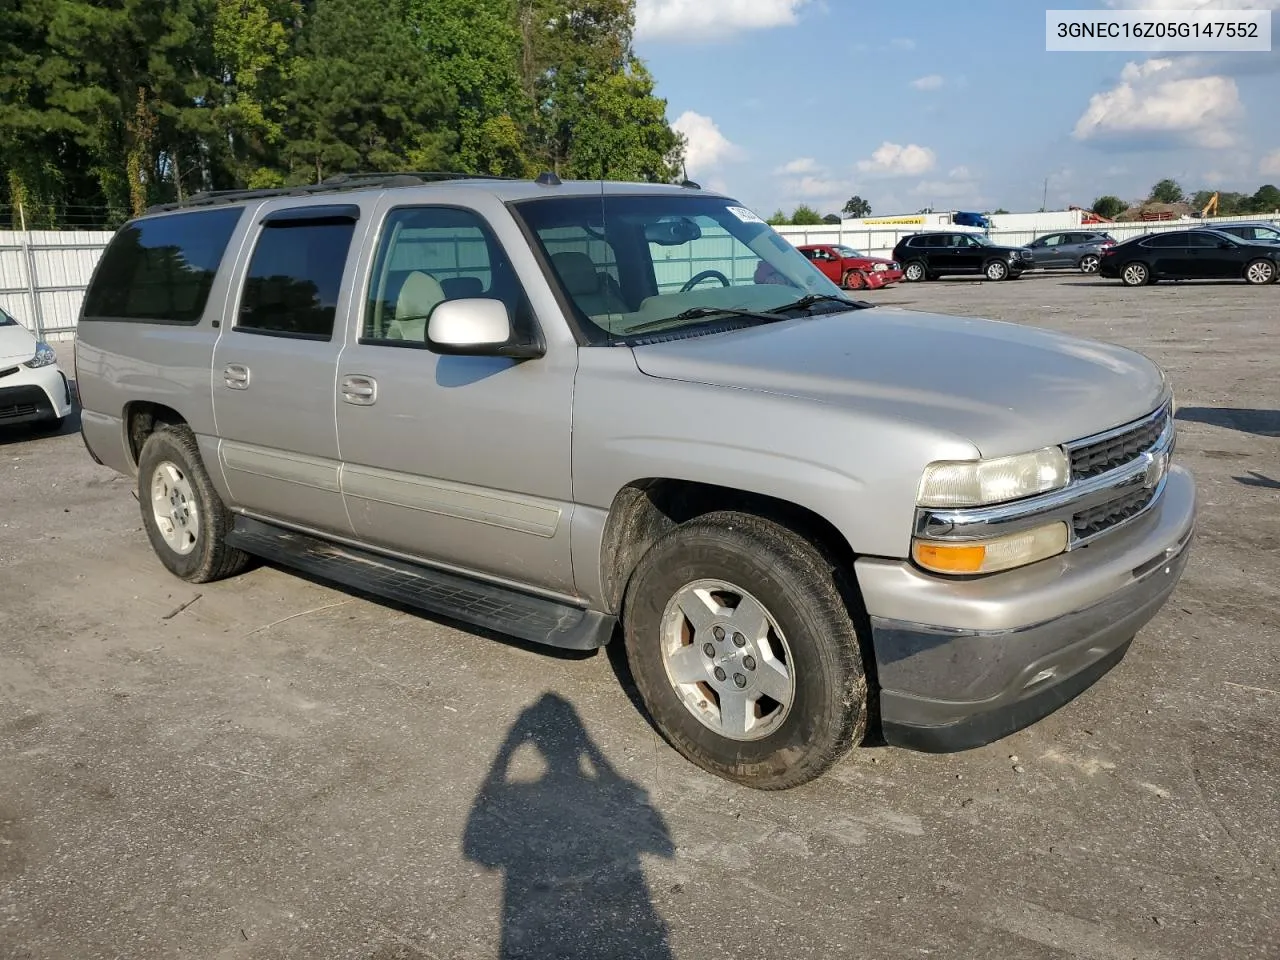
(589,291)
(418,297)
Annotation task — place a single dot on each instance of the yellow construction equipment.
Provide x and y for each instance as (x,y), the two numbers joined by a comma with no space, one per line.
(1211,205)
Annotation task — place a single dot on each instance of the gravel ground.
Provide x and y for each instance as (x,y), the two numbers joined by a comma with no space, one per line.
(268,767)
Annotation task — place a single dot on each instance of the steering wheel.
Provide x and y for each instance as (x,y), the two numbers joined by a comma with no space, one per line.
(697,278)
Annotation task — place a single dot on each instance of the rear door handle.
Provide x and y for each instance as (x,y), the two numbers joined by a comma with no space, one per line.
(360,390)
(236,376)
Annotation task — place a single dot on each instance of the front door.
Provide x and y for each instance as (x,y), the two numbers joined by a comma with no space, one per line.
(273,368)
(459,461)
(969,254)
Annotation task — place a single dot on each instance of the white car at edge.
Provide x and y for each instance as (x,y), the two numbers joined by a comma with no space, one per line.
(32,387)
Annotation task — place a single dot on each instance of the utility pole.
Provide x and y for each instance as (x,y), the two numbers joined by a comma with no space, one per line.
(1044,203)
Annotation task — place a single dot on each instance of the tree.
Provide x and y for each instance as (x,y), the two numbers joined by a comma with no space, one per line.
(622,133)
(832,219)
(779,219)
(364,95)
(1266,200)
(1109,206)
(998,212)
(805,216)
(1166,191)
(857,208)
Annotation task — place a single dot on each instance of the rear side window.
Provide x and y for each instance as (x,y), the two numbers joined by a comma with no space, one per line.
(295,277)
(160,270)
(1167,240)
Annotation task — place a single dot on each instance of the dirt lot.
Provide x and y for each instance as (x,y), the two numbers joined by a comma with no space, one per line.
(283,770)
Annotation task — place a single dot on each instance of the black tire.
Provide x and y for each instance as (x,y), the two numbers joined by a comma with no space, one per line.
(1260,272)
(210,558)
(996,270)
(1135,274)
(918,268)
(1089,263)
(801,589)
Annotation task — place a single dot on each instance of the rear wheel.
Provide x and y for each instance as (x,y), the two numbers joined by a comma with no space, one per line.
(741,644)
(1260,272)
(1089,263)
(996,270)
(1135,275)
(184,517)
(914,272)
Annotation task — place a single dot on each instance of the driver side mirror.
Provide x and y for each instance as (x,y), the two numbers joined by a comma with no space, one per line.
(476,328)
(1225,245)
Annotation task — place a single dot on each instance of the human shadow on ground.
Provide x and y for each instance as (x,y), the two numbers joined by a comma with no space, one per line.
(568,831)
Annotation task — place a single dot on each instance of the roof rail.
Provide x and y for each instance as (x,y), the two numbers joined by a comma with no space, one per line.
(334,184)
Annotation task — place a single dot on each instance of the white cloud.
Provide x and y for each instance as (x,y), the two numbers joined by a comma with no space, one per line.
(800,165)
(895,160)
(931,82)
(818,187)
(705,146)
(1158,100)
(1270,165)
(960,173)
(694,20)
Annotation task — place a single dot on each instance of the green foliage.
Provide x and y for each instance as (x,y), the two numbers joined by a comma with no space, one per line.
(1266,200)
(1166,191)
(779,219)
(805,216)
(998,211)
(857,208)
(117,104)
(831,219)
(1108,206)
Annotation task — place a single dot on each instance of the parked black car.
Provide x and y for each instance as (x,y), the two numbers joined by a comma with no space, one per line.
(1191,255)
(927,256)
(1249,232)
(1072,249)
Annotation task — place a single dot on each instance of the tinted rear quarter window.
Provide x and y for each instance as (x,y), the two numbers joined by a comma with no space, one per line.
(161,269)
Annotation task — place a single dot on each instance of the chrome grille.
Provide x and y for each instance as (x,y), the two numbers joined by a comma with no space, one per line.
(1090,523)
(1096,457)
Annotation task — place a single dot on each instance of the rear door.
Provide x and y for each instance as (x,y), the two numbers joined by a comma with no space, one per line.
(1169,255)
(274,364)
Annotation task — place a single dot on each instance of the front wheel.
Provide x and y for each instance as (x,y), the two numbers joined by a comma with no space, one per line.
(914,272)
(1089,263)
(855,280)
(996,270)
(185,519)
(740,641)
(1260,272)
(1135,275)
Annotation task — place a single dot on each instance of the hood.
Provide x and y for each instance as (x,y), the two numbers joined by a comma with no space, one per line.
(1004,387)
(867,261)
(16,344)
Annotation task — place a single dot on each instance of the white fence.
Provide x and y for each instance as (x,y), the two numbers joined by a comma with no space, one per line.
(44,273)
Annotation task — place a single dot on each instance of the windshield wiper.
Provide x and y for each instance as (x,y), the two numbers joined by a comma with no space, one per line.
(809,300)
(702,313)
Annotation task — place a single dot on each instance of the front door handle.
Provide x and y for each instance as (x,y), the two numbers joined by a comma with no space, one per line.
(236,376)
(360,390)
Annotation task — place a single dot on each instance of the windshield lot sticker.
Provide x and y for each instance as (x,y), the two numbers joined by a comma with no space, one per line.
(745,215)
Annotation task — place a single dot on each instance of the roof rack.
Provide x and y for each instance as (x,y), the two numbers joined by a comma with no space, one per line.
(334,184)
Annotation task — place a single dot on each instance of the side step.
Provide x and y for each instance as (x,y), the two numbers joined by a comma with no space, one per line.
(448,594)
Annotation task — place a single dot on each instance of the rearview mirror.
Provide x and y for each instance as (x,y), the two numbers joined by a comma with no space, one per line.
(672,232)
(476,328)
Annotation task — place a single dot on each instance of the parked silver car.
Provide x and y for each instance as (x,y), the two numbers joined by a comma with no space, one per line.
(560,409)
(1071,250)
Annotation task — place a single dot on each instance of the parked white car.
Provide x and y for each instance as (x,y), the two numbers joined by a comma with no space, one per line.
(32,387)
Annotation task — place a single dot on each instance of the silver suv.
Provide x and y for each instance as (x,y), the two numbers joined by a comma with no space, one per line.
(564,410)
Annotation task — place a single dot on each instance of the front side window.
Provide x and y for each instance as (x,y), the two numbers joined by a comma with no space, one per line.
(295,278)
(160,269)
(1204,240)
(632,264)
(428,255)
(1052,241)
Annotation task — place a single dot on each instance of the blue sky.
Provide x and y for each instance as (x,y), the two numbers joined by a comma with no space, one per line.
(953,104)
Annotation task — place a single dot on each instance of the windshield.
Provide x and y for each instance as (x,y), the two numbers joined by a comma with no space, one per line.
(6,320)
(623,263)
(848,252)
(1266,233)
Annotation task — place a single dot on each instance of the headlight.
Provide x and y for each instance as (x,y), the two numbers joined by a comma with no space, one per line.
(879,267)
(975,483)
(43,358)
(990,556)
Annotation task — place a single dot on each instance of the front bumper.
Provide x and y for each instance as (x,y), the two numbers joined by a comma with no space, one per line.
(962,663)
(31,396)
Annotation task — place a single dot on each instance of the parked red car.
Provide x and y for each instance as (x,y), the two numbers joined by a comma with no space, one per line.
(851,269)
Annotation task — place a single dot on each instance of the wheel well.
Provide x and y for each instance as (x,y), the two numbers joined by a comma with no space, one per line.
(142,418)
(645,510)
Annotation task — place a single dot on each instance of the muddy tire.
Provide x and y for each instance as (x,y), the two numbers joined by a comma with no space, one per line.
(741,643)
(185,519)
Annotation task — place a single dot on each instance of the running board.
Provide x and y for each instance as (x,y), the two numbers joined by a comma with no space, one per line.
(476,602)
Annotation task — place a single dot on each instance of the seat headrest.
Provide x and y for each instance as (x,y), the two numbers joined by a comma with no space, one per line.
(577,271)
(418,296)
(462,288)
